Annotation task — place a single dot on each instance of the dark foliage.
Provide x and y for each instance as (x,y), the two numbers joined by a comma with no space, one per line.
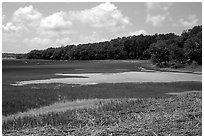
(161,48)
(160,53)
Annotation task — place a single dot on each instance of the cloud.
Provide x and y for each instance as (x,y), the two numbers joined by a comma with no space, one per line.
(152,5)
(22,19)
(89,38)
(3,18)
(46,42)
(164,6)
(191,21)
(10,27)
(26,14)
(35,30)
(62,41)
(157,13)
(56,21)
(92,38)
(103,15)
(139,32)
(156,20)
(37,41)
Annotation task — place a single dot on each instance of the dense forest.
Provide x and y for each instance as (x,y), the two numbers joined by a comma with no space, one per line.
(162,49)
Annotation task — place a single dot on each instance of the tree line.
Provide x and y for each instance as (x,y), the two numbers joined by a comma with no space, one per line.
(162,49)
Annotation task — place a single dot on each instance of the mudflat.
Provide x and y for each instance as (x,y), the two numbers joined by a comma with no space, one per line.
(124,77)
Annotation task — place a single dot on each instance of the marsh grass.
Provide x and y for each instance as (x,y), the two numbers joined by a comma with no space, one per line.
(21,99)
(175,115)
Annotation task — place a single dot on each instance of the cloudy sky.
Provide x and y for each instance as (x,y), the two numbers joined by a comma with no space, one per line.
(28,26)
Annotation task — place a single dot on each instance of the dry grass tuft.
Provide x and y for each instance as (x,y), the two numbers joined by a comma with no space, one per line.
(179,115)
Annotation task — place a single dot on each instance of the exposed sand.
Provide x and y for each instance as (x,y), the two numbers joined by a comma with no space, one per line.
(124,77)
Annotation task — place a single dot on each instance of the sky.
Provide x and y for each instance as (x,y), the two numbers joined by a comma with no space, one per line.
(28,26)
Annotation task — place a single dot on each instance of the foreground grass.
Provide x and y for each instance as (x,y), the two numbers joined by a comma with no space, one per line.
(176,115)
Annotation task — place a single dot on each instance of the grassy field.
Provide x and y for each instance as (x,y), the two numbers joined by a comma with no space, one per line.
(174,116)
(20,99)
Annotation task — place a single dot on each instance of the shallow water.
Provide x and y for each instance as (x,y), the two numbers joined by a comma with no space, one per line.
(124,77)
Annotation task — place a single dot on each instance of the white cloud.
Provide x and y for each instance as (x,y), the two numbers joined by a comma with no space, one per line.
(103,15)
(3,18)
(139,32)
(156,20)
(37,41)
(10,27)
(23,18)
(62,41)
(7,35)
(94,37)
(103,22)
(190,21)
(43,43)
(26,14)
(157,12)
(164,6)
(151,5)
(56,21)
